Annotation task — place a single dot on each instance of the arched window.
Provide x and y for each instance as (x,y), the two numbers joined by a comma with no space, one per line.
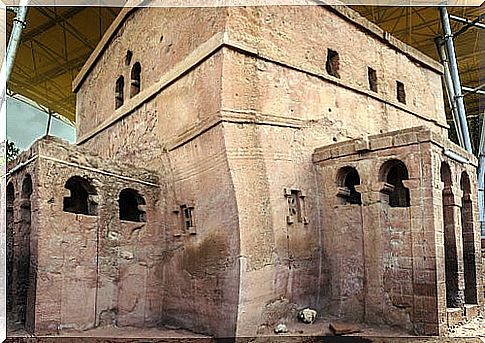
(135,79)
(130,202)
(347,179)
(81,200)
(468,238)
(10,195)
(393,173)
(23,242)
(128,57)
(119,92)
(27,187)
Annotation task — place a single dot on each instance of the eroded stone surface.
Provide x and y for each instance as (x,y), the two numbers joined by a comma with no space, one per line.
(235,145)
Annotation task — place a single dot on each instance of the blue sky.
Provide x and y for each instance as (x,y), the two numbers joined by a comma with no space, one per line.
(25,124)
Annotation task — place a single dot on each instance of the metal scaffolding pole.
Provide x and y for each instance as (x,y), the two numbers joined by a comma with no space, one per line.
(18,25)
(481,178)
(448,38)
(477,90)
(49,120)
(13,43)
(449,89)
(468,23)
(455,77)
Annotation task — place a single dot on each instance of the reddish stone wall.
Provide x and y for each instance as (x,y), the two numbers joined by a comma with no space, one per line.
(230,122)
(298,38)
(483,263)
(344,262)
(445,236)
(21,250)
(202,270)
(278,105)
(176,135)
(404,280)
(88,270)
(168,36)
(202,295)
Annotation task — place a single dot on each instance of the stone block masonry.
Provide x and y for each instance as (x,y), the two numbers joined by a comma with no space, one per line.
(237,164)
(78,260)
(390,213)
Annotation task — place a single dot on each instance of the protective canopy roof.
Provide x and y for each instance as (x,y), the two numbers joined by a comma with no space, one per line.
(57,41)
(55,44)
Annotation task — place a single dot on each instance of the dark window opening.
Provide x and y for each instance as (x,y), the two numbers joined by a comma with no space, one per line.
(468,237)
(294,205)
(347,179)
(24,274)
(130,202)
(187,217)
(119,92)
(10,195)
(453,296)
(332,65)
(401,94)
(372,75)
(81,199)
(10,244)
(393,173)
(25,199)
(135,79)
(128,57)
(27,187)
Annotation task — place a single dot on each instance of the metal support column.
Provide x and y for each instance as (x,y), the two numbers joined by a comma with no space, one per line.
(18,25)
(49,120)
(481,179)
(460,107)
(455,77)
(13,43)
(450,91)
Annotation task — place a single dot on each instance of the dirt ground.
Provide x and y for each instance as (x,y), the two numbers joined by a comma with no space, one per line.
(473,331)
(124,332)
(475,328)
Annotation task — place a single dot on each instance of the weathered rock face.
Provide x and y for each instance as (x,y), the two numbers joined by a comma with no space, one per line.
(216,131)
(75,259)
(396,249)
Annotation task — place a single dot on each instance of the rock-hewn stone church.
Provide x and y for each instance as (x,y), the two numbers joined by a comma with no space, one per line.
(235,164)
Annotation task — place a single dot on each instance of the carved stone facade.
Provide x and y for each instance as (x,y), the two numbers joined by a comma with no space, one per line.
(411,250)
(75,262)
(226,180)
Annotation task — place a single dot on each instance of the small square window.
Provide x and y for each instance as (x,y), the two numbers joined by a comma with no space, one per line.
(401,93)
(372,76)
(332,65)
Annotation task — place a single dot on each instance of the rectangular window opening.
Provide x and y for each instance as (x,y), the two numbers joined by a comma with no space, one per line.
(401,94)
(119,92)
(187,217)
(372,75)
(332,65)
(294,205)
